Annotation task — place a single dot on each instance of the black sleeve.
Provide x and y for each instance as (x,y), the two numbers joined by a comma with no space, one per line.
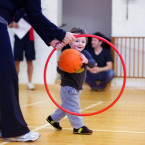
(20,14)
(91,61)
(108,55)
(59,70)
(45,29)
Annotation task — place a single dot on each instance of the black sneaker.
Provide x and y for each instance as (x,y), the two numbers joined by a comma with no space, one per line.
(53,123)
(83,131)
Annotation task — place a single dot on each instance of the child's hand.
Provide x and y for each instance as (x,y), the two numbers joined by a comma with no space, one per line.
(84,59)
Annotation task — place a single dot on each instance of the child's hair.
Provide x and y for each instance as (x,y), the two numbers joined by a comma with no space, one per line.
(79,30)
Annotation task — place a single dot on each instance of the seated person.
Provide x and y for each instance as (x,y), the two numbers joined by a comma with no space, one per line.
(102,72)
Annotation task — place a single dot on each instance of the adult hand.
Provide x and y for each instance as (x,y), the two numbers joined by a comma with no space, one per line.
(10,25)
(68,38)
(57,44)
(15,25)
(60,44)
(94,70)
(91,70)
(97,70)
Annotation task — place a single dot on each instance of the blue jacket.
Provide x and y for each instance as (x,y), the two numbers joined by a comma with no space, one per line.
(20,14)
(45,29)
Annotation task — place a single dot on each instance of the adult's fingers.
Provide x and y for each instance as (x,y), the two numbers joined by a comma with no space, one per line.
(68,38)
(60,45)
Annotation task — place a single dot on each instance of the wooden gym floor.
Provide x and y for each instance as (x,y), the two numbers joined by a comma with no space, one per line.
(123,124)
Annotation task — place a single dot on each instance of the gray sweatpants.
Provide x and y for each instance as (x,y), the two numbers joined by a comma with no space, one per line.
(70,101)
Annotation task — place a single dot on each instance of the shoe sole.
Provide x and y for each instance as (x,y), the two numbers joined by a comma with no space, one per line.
(20,140)
(31,89)
(15,140)
(54,126)
(82,133)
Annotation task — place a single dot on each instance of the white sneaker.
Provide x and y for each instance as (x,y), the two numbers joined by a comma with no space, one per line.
(0,134)
(29,137)
(30,86)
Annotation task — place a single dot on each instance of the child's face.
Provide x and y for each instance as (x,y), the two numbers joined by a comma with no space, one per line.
(79,44)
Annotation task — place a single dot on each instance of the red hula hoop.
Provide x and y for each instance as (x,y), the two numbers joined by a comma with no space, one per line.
(100,111)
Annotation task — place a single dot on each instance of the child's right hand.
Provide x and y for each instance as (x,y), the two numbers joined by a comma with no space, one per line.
(84,59)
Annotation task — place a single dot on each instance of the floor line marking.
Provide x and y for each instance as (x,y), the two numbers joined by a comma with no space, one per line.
(3,143)
(99,103)
(39,128)
(24,106)
(133,132)
(44,101)
(46,125)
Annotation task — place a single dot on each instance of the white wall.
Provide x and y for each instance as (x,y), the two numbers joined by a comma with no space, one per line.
(93,15)
(52,9)
(135,25)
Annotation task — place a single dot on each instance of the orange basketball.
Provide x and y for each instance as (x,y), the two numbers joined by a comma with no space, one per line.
(70,61)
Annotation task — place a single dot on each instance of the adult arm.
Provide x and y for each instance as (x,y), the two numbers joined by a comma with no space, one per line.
(20,14)
(97,69)
(105,68)
(45,29)
(109,63)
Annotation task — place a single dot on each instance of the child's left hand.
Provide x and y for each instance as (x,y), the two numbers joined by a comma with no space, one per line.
(84,59)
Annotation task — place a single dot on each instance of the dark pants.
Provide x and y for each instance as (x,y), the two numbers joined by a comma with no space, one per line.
(22,46)
(103,77)
(12,123)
